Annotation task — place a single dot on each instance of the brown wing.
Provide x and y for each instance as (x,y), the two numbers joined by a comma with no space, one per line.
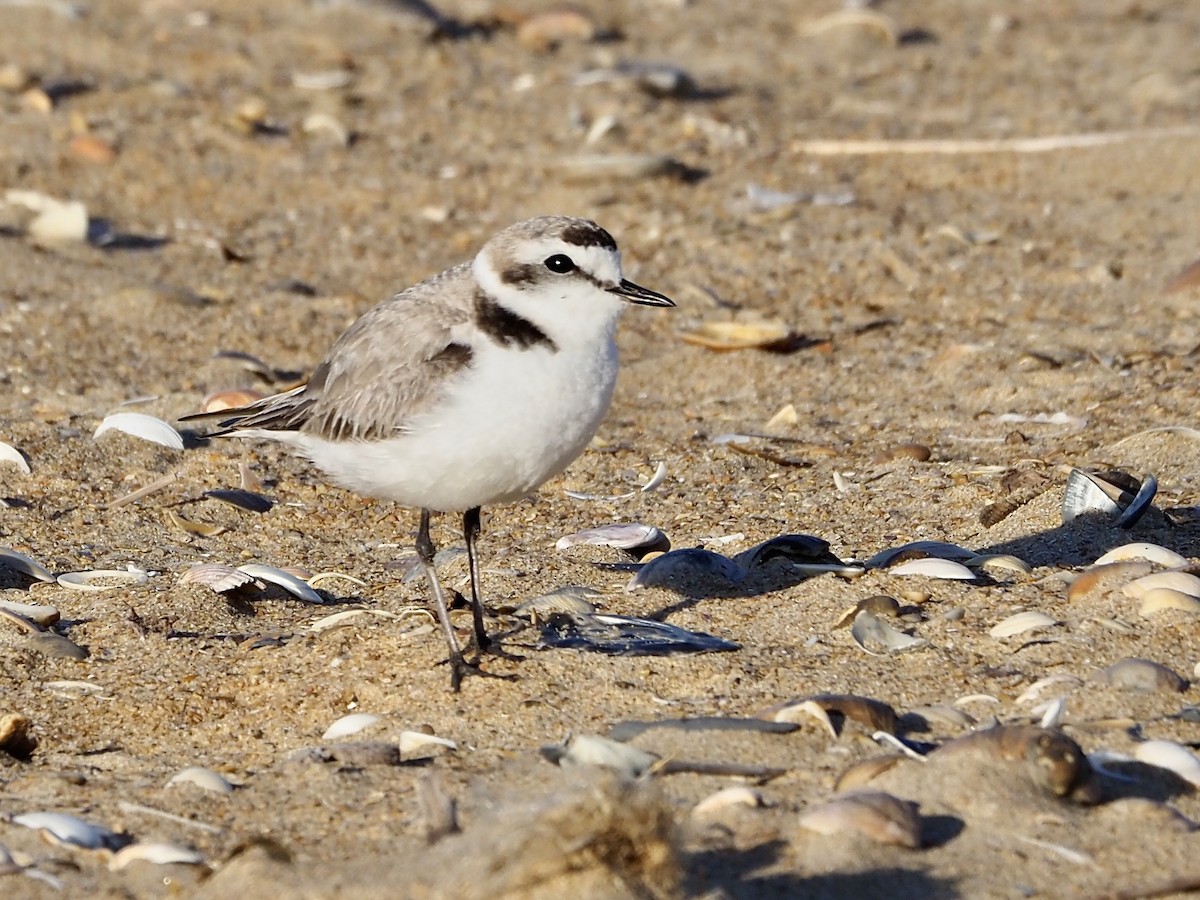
(390,365)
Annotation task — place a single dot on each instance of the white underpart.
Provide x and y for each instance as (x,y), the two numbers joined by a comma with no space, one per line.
(515,418)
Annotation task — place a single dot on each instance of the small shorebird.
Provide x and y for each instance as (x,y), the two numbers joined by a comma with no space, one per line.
(467,389)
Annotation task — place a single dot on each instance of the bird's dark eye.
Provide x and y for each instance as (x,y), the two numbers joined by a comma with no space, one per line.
(560,263)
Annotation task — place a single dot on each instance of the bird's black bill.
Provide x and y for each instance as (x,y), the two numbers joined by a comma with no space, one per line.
(635,293)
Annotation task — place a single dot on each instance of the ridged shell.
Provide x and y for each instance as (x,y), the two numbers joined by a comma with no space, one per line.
(215,576)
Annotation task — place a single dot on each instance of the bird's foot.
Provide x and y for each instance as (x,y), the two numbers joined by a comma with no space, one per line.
(460,669)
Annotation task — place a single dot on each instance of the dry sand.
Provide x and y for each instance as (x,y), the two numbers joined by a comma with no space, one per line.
(954,289)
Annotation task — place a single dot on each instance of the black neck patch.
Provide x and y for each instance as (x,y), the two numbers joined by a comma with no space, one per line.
(588,234)
(507,328)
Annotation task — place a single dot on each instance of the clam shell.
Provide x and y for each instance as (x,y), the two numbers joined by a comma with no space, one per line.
(933,567)
(72,831)
(1030,620)
(691,564)
(218,577)
(10,454)
(348,725)
(591,750)
(142,426)
(159,854)
(867,627)
(918,550)
(294,585)
(26,565)
(1154,553)
(1143,676)
(1170,755)
(412,741)
(203,778)
(1092,494)
(866,771)
(1158,599)
(636,537)
(87,581)
(1183,582)
(34,612)
(880,816)
(726,336)
(1087,581)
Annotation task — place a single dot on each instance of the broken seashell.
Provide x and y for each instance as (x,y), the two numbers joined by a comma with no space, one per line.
(591,750)
(865,771)
(412,741)
(804,553)
(726,336)
(102,579)
(71,831)
(867,627)
(626,635)
(291,583)
(879,605)
(835,709)
(1031,693)
(10,454)
(634,537)
(546,30)
(54,220)
(1030,620)
(157,853)
(348,725)
(1097,494)
(55,646)
(880,816)
(142,426)
(1143,676)
(1157,599)
(1142,550)
(915,452)
(1172,756)
(574,600)
(15,739)
(1002,561)
(739,795)
(188,526)
(235,398)
(26,565)
(203,778)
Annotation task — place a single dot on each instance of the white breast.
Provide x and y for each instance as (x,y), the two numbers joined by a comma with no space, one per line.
(515,419)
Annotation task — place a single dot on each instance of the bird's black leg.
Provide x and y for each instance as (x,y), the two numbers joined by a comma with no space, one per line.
(426,551)
(471,528)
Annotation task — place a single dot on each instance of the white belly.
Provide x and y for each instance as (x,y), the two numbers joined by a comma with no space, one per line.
(510,422)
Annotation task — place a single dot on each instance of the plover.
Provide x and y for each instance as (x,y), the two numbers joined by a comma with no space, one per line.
(468,389)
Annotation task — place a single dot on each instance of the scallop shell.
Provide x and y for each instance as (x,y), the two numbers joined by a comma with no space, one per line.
(141,426)
(1030,620)
(219,578)
(294,585)
(9,453)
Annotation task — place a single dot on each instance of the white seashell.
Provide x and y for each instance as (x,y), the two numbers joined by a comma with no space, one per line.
(1174,580)
(141,426)
(219,578)
(73,689)
(55,220)
(727,797)
(938,549)
(159,854)
(9,453)
(934,567)
(1170,755)
(297,587)
(335,576)
(967,699)
(203,778)
(1053,712)
(348,725)
(656,480)
(1155,553)
(326,80)
(590,750)
(1030,620)
(343,618)
(86,581)
(1030,693)
(1002,561)
(34,612)
(412,741)
(26,565)
(1157,599)
(868,627)
(623,536)
(70,830)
